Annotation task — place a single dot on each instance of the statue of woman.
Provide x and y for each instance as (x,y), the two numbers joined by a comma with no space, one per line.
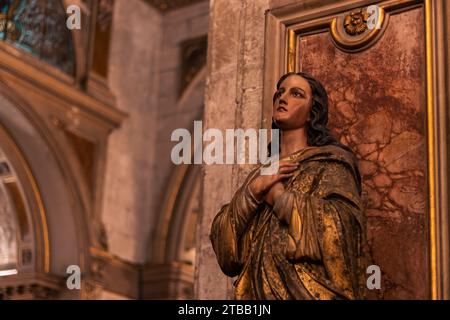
(299,233)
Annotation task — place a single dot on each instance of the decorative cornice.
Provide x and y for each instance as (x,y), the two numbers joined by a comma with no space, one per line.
(30,286)
(171,281)
(20,65)
(113,274)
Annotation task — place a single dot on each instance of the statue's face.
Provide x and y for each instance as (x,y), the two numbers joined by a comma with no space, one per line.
(292,106)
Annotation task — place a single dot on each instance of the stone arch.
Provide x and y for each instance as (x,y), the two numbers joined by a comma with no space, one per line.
(62,234)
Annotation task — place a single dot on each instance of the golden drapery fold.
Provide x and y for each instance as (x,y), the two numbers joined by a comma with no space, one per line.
(309,245)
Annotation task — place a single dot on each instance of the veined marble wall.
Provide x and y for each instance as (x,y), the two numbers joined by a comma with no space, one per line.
(378,108)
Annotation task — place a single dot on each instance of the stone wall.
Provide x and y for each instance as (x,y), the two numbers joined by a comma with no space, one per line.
(233,99)
(134,80)
(145,67)
(176,108)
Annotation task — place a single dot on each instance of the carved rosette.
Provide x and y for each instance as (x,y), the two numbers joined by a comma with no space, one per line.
(358,29)
(355,23)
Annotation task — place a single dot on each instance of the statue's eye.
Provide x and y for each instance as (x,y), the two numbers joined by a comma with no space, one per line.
(297,94)
(278,94)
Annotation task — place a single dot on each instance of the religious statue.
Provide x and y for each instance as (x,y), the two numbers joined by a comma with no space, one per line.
(299,233)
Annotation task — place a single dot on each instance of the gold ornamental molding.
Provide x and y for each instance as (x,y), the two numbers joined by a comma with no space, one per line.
(352,30)
(358,29)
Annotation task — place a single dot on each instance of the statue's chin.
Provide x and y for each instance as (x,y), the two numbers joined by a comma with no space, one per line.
(280,123)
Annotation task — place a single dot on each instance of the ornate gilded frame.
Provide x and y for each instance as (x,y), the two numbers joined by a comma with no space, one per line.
(284,24)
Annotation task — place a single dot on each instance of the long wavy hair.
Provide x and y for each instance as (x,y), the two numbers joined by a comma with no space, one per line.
(317,131)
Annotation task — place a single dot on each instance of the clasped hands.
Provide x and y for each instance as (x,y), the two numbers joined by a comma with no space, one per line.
(269,187)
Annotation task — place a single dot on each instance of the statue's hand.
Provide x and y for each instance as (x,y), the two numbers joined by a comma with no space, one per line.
(274,193)
(262,184)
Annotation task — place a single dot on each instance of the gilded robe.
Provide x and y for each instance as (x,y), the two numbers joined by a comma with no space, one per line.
(309,245)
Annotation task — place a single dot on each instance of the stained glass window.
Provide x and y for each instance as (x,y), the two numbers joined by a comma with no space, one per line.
(38,27)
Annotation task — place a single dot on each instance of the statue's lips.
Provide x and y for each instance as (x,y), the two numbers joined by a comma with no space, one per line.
(282,109)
